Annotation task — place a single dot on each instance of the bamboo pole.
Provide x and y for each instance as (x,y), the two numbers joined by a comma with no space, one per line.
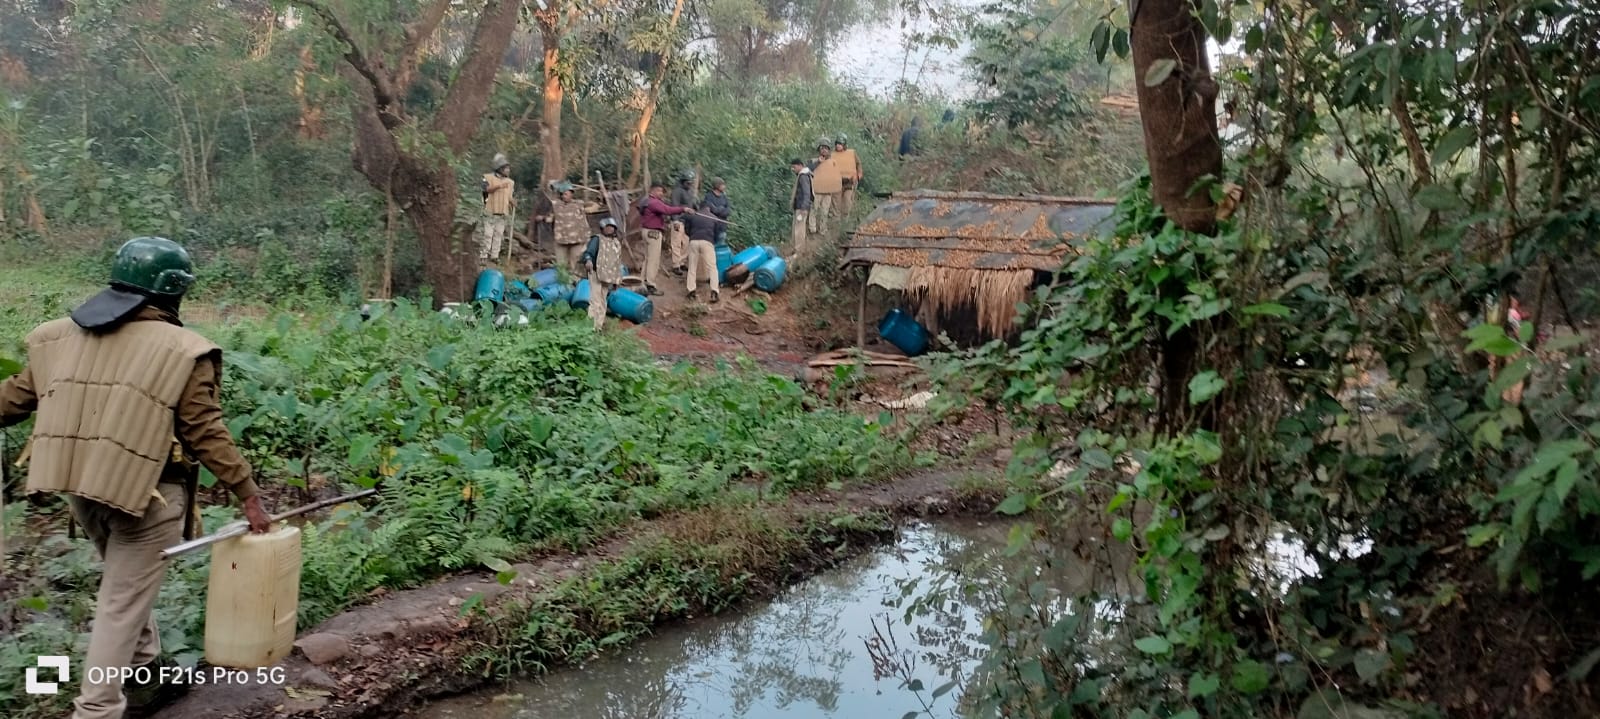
(861,313)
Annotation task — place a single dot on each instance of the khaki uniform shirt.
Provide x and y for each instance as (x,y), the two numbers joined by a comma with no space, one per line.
(849,164)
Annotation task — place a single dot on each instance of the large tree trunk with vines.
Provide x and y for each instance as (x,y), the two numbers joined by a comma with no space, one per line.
(422,181)
(1180,136)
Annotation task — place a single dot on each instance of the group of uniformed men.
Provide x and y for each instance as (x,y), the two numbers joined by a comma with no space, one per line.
(692,228)
(823,187)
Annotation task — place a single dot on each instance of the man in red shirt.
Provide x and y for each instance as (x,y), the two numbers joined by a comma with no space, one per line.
(653,214)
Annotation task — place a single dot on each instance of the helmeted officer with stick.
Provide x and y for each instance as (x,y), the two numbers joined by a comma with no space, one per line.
(125,401)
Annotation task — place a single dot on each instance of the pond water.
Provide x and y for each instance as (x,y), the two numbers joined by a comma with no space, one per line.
(805,654)
(802,655)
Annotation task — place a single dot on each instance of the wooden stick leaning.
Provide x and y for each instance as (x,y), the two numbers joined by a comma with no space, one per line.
(511,231)
(240,528)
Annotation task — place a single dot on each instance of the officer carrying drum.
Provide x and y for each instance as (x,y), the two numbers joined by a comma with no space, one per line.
(125,401)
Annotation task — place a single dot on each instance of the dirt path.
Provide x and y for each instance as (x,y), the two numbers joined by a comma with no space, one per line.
(381,658)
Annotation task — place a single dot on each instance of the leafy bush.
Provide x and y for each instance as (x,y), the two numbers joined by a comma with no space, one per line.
(485,443)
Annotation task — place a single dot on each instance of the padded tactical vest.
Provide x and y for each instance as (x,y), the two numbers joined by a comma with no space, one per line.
(829,179)
(104,424)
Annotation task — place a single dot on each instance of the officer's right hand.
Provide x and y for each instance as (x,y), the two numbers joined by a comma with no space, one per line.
(256,515)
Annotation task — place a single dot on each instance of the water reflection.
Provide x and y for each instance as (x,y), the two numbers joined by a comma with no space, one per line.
(802,655)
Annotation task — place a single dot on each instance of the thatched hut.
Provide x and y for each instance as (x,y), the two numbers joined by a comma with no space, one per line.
(966,260)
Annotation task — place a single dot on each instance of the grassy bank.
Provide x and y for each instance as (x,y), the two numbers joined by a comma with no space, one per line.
(488,445)
(699,563)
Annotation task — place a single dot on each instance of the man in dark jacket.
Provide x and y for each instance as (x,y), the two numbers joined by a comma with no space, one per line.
(800,201)
(702,229)
(908,139)
(716,203)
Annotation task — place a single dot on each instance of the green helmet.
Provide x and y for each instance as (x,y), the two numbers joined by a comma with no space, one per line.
(686,176)
(824,141)
(842,139)
(562,187)
(153,265)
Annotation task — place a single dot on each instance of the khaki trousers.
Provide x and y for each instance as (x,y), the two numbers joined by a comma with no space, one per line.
(491,232)
(598,293)
(652,256)
(847,201)
(702,262)
(797,232)
(567,256)
(679,244)
(820,213)
(124,631)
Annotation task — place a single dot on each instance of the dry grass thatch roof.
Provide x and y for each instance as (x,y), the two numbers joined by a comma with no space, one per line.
(994,294)
(975,231)
(974,250)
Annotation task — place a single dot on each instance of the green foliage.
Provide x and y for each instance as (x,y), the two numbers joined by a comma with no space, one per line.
(1374,238)
(1028,69)
(485,444)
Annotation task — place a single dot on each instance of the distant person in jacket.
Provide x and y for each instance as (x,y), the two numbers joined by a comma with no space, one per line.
(702,229)
(717,204)
(653,214)
(908,139)
(849,164)
(827,182)
(678,242)
(602,260)
(800,201)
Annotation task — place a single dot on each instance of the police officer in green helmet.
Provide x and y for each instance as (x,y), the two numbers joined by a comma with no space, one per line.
(126,407)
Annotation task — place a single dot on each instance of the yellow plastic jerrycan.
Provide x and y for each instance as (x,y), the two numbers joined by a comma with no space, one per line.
(253,596)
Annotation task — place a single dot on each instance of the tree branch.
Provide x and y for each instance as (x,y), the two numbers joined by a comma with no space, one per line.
(417,33)
(385,99)
(457,118)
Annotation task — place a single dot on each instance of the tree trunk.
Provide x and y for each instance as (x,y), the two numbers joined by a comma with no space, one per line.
(649,112)
(1179,114)
(1180,136)
(551,165)
(430,195)
(422,183)
(309,125)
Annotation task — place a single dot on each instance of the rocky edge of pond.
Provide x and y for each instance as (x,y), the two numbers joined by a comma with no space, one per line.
(383,657)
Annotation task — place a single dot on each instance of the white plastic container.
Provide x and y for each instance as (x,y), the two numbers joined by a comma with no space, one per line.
(252,599)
